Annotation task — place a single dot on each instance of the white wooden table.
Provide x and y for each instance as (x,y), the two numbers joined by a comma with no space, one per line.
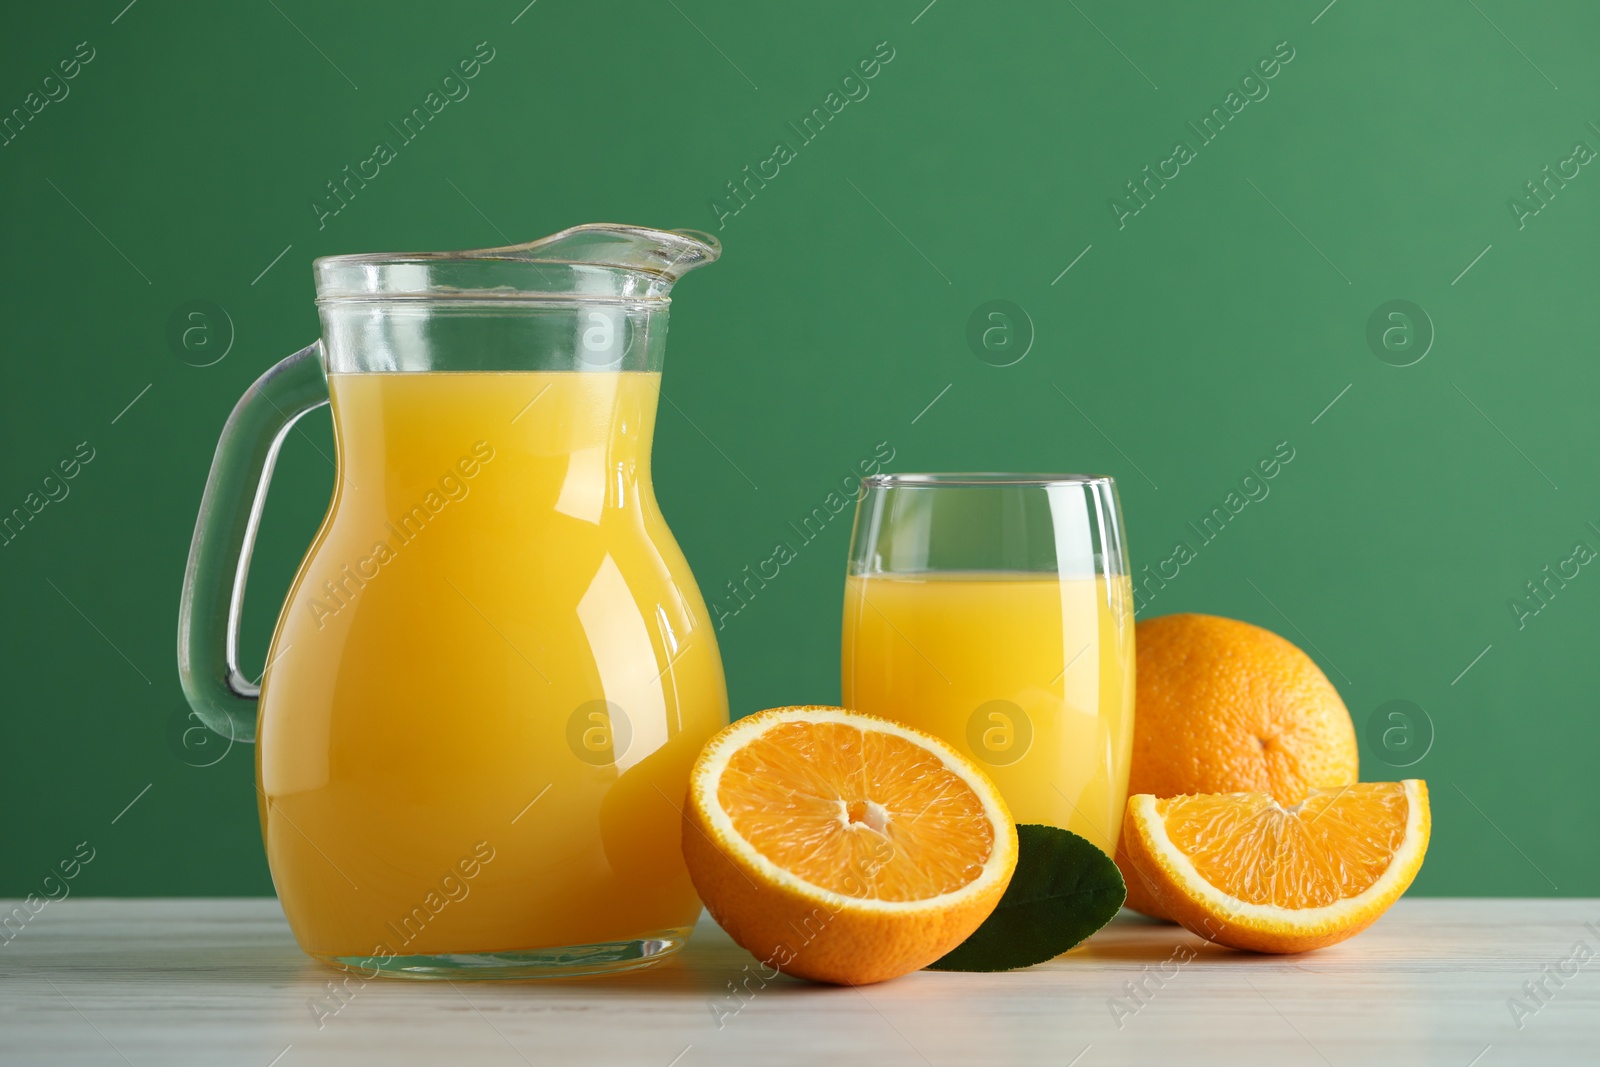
(176,982)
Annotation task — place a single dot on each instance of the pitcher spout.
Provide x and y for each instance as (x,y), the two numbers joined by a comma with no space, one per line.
(665,254)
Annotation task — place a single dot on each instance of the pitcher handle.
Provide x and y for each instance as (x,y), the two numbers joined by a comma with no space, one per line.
(224,534)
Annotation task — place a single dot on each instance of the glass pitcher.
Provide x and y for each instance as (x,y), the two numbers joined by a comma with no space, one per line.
(493,669)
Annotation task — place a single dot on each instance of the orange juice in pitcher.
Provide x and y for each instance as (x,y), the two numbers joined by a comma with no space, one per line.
(494,669)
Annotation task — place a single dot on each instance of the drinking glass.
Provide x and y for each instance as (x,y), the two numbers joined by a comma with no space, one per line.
(996,612)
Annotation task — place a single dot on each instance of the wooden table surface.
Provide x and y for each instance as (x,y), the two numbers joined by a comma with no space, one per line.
(175,982)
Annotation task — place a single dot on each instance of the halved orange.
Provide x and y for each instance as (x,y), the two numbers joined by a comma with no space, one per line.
(842,847)
(1242,870)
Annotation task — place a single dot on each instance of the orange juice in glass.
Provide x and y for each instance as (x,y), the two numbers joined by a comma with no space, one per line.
(996,611)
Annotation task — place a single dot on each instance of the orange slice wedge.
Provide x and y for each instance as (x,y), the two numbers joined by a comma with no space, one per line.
(1241,870)
(842,847)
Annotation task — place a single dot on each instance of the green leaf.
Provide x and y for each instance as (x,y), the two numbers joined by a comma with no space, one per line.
(1064,889)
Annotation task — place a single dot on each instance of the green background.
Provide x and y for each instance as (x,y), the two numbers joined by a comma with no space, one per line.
(1223,319)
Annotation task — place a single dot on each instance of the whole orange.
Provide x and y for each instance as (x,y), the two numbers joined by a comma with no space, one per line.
(1226,707)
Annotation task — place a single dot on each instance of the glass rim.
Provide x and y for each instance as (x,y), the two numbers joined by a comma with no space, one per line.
(980,480)
(591,264)
(662,250)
